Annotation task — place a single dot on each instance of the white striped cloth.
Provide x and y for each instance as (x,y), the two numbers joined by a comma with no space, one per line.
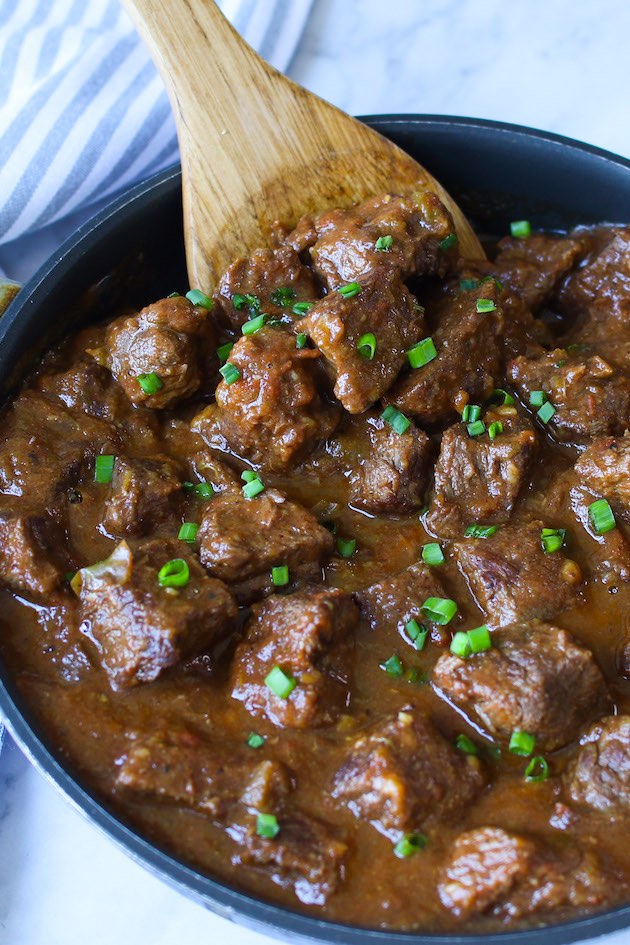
(83,112)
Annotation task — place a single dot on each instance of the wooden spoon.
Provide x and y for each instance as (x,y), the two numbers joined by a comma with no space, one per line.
(257,148)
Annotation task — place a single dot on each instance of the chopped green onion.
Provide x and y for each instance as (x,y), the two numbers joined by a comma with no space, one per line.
(480,639)
(432,554)
(409,845)
(203,490)
(349,291)
(397,420)
(175,573)
(384,244)
(448,241)
(188,532)
(422,353)
(417,633)
(248,475)
(552,539)
(537,769)
(495,428)
(460,645)
(301,308)
(281,684)
(467,285)
(254,324)
(521,228)
(251,301)
(466,744)
(485,305)
(367,346)
(254,740)
(174,295)
(501,397)
(229,373)
(537,398)
(301,340)
(393,666)
(470,413)
(199,298)
(546,412)
(416,677)
(223,352)
(150,383)
(253,488)
(267,826)
(601,516)
(440,610)
(480,531)
(280,575)
(104,468)
(476,428)
(521,743)
(282,296)
(346,547)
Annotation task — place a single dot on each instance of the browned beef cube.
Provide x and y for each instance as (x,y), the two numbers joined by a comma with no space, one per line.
(144,493)
(591,398)
(308,635)
(28,549)
(389,605)
(343,243)
(533,267)
(601,288)
(605,468)
(242,539)
(478,479)
(260,277)
(167,338)
(384,308)
(392,469)
(534,679)
(141,628)
(503,874)
(272,414)
(468,345)
(513,578)
(599,776)
(402,774)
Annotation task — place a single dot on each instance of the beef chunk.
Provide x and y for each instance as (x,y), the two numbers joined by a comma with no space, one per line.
(534,679)
(599,776)
(601,287)
(383,308)
(89,387)
(533,267)
(590,396)
(167,338)
(211,469)
(307,635)
(402,773)
(144,493)
(392,469)
(478,479)
(260,277)
(389,605)
(141,628)
(513,578)
(492,871)
(28,545)
(272,414)
(343,243)
(241,540)
(605,468)
(468,345)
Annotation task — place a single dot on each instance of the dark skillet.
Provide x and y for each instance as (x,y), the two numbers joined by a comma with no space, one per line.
(129,253)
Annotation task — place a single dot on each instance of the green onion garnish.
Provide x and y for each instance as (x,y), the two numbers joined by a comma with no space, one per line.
(253,487)
(480,531)
(229,373)
(174,295)
(409,845)
(466,744)
(281,684)
(349,291)
(470,413)
(282,296)
(393,666)
(280,575)
(188,532)
(175,573)
(521,228)
(223,352)
(199,298)
(301,308)
(495,428)
(417,633)
(416,677)
(440,610)
(521,743)
(476,428)
(460,645)
(254,324)
(254,740)
(485,305)
(384,244)
(501,397)
(601,516)
(448,241)
(150,383)
(465,643)
(537,769)
(422,353)
(346,547)
(546,412)
(367,346)
(267,826)
(251,301)
(397,420)
(537,398)
(432,554)
(248,475)
(301,340)
(203,490)
(552,539)
(104,469)
(467,285)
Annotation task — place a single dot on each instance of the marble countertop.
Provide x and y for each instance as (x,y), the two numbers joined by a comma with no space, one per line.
(553,65)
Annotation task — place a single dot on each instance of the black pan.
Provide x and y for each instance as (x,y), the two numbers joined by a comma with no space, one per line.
(133,252)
